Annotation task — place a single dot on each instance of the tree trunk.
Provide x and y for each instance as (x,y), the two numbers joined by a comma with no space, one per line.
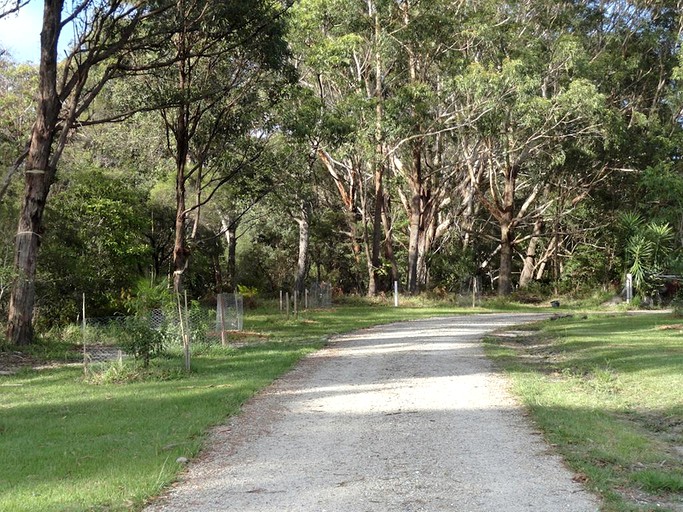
(218,274)
(181,132)
(375,260)
(378,163)
(505,269)
(507,225)
(413,242)
(372,275)
(527,274)
(388,239)
(303,261)
(231,237)
(39,176)
(180,249)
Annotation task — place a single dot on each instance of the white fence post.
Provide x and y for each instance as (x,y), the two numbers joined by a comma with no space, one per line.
(629,288)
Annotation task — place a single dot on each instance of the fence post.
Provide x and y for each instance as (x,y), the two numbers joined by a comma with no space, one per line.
(85,352)
(221,312)
(287,301)
(188,337)
(474,291)
(183,331)
(629,288)
(280,300)
(395,294)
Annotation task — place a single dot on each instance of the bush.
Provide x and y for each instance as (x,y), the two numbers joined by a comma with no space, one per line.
(249,295)
(140,340)
(147,296)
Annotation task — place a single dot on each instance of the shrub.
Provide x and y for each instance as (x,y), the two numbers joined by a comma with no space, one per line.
(249,295)
(140,340)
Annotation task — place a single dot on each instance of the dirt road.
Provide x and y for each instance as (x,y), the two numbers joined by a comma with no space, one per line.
(406,417)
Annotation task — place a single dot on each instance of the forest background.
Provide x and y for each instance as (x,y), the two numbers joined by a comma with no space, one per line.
(204,145)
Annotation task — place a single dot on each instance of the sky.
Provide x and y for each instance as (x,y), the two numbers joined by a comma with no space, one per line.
(20,33)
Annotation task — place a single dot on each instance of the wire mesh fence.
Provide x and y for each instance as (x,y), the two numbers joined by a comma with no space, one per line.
(229,312)
(317,296)
(205,323)
(107,339)
(101,339)
(470,291)
(320,295)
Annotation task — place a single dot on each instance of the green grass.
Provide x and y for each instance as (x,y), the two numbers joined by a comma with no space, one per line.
(608,391)
(72,444)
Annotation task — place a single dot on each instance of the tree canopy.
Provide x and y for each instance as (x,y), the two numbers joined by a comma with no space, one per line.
(522,144)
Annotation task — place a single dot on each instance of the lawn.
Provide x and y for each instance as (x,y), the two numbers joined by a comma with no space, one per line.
(112,441)
(607,390)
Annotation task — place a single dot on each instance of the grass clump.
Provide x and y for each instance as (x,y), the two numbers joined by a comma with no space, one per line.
(606,391)
(657,481)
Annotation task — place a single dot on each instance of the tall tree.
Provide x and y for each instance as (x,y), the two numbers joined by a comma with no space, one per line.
(344,54)
(223,52)
(104,35)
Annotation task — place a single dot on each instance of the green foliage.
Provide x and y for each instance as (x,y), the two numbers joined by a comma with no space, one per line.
(93,244)
(17,91)
(267,258)
(586,269)
(452,267)
(567,94)
(147,296)
(630,222)
(249,294)
(140,340)
(649,251)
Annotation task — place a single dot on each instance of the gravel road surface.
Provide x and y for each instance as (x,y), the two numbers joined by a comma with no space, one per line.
(405,417)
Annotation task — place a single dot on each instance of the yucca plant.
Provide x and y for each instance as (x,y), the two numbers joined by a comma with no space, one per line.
(648,251)
(639,251)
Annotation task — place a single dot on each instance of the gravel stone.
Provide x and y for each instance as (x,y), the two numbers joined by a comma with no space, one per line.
(404,417)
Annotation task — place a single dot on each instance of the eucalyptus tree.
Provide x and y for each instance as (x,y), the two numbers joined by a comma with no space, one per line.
(104,38)
(345,55)
(224,53)
(427,114)
(633,50)
(536,109)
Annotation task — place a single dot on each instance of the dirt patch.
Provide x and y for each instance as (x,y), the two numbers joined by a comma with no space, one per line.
(671,327)
(13,362)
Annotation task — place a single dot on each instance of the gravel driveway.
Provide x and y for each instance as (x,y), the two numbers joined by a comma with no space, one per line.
(404,417)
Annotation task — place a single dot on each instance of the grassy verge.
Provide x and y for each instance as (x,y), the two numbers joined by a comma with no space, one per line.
(70,444)
(608,392)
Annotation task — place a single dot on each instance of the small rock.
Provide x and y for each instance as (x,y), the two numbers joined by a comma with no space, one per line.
(182,460)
